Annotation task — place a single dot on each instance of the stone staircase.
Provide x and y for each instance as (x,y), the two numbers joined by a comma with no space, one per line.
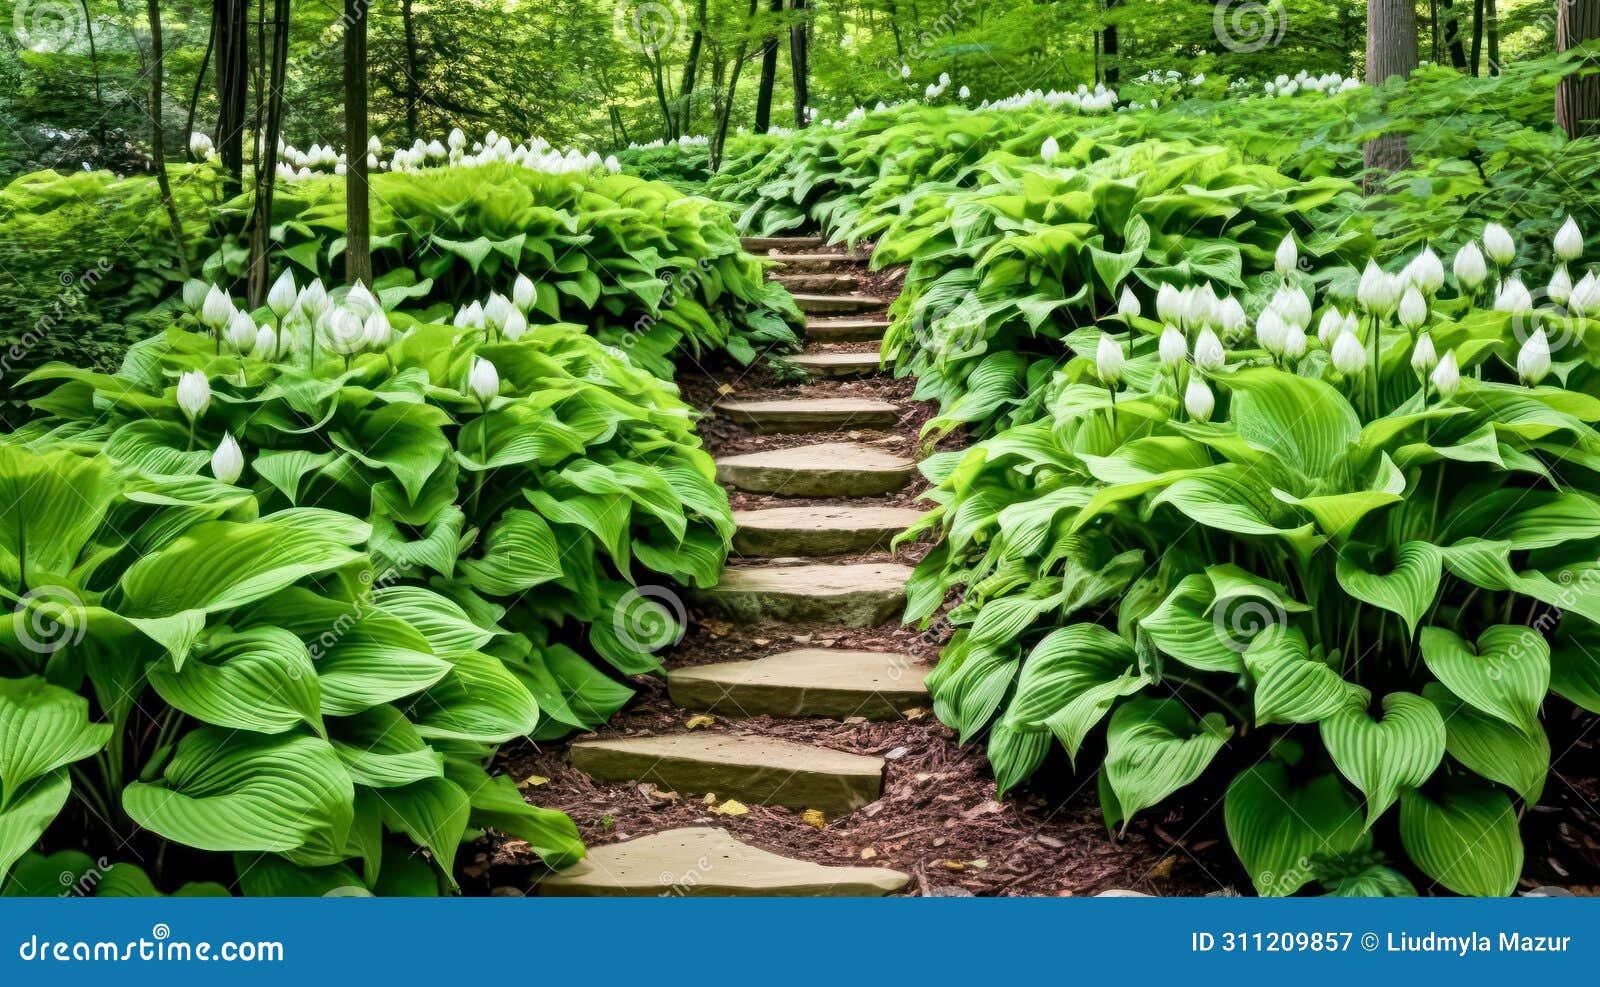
(793,565)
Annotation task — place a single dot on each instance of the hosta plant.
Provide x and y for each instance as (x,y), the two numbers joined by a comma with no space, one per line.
(1334,560)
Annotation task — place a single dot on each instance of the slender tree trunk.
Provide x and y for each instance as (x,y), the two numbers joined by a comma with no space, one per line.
(358,242)
(158,142)
(1476,60)
(1109,45)
(1578,97)
(412,84)
(266,178)
(200,77)
(1491,34)
(1452,35)
(719,136)
(233,83)
(769,75)
(94,66)
(1433,31)
(798,61)
(1391,51)
(684,117)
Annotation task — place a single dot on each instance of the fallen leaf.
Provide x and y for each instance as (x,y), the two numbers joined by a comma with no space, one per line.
(915,713)
(762,642)
(534,780)
(953,865)
(710,799)
(1163,868)
(868,853)
(732,807)
(813,817)
(896,754)
(978,864)
(724,389)
(700,720)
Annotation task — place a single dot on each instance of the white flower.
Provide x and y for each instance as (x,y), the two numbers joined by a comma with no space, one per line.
(1271,330)
(1293,305)
(1128,305)
(1378,291)
(375,331)
(1208,352)
(1469,267)
(200,146)
(1108,359)
(241,332)
(1585,297)
(1426,272)
(361,301)
(905,71)
(314,299)
(483,382)
(194,294)
(228,461)
(1230,316)
(523,293)
(1533,360)
(266,344)
(1497,243)
(1446,376)
(1294,343)
(1287,257)
(1423,357)
(282,296)
(965,93)
(496,310)
(194,393)
(1560,288)
(1329,327)
(516,325)
(1512,297)
(1049,150)
(1569,240)
(217,310)
(1349,356)
(1198,400)
(1413,308)
(1169,304)
(344,330)
(1174,349)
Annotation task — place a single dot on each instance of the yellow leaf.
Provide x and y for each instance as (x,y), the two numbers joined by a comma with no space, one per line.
(699,720)
(732,807)
(813,817)
(868,853)
(534,781)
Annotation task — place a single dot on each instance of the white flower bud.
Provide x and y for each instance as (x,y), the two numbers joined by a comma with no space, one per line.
(1569,241)
(1512,297)
(1108,359)
(1497,243)
(1128,304)
(314,299)
(375,331)
(1423,357)
(1585,297)
(496,310)
(1294,343)
(1173,349)
(1230,316)
(1270,330)
(516,325)
(266,345)
(282,296)
(194,294)
(483,382)
(1469,267)
(1287,257)
(1560,287)
(1349,356)
(1425,272)
(194,393)
(1413,308)
(1533,360)
(1198,400)
(1329,327)
(1049,150)
(523,293)
(241,332)
(1372,292)
(1446,376)
(1208,352)
(228,461)
(1293,306)
(344,329)
(1169,304)
(217,310)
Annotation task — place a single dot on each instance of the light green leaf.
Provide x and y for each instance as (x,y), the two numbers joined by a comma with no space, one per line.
(1280,830)
(1466,839)
(1155,747)
(1382,757)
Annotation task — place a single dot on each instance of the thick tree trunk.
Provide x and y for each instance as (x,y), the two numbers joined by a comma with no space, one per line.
(1452,35)
(1391,51)
(1578,98)
(158,143)
(358,242)
(266,178)
(233,84)
(798,61)
(1491,34)
(1108,45)
(1476,60)
(769,75)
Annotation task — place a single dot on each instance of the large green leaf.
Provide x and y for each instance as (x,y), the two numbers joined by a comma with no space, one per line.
(1491,747)
(1155,747)
(1280,830)
(260,679)
(1465,838)
(1506,675)
(1293,687)
(1381,757)
(1407,588)
(42,728)
(1070,680)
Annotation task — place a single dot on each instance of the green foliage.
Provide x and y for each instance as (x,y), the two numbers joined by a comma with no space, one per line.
(1358,588)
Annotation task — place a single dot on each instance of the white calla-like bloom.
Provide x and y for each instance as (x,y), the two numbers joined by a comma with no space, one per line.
(1198,399)
(217,310)
(227,462)
(1169,304)
(1533,359)
(1349,356)
(516,325)
(483,382)
(266,345)
(1373,290)
(1287,257)
(1446,376)
(1294,342)
(1512,297)
(1209,354)
(1469,267)
(1559,290)
(1173,348)
(1128,304)
(194,393)
(241,332)
(1413,308)
(1497,243)
(1230,316)
(283,294)
(1271,330)
(523,293)
(1108,359)
(1423,356)
(1426,272)
(1569,241)
(314,299)
(1293,306)
(496,310)
(1329,327)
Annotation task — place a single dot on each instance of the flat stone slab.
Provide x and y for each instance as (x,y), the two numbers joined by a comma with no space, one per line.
(877,685)
(822,529)
(820,283)
(703,861)
(859,594)
(838,364)
(797,415)
(784,244)
(754,770)
(846,330)
(817,262)
(837,304)
(824,469)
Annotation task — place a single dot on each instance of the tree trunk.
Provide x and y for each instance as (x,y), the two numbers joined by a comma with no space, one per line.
(158,143)
(691,69)
(412,85)
(1476,60)
(1391,51)
(719,135)
(358,243)
(769,75)
(1578,97)
(94,66)
(798,62)
(200,77)
(1491,33)
(266,178)
(1109,45)
(233,83)
(1452,35)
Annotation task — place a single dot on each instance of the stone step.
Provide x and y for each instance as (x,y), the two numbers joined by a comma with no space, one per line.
(817,262)
(783,244)
(704,861)
(822,529)
(825,469)
(860,594)
(809,682)
(792,416)
(754,770)
(838,365)
(838,304)
(825,284)
(868,330)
